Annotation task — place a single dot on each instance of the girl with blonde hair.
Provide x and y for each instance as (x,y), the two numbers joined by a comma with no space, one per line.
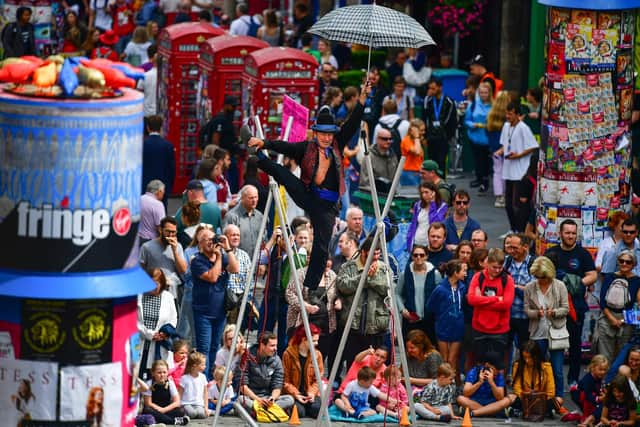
(495,121)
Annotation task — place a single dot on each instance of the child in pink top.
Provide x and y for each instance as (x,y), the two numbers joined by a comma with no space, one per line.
(180,353)
(393,388)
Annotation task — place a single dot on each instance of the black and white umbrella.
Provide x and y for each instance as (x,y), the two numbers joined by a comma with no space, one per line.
(372,25)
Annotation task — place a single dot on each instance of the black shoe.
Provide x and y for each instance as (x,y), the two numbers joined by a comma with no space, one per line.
(476,183)
(483,190)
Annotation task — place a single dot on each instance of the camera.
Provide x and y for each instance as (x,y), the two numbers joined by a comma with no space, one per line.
(216,240)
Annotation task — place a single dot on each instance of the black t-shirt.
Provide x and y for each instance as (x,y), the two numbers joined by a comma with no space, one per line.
(223,125)
(577,261)
(438,259)
(302,386)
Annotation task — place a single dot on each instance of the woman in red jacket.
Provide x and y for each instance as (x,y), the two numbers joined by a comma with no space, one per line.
(491,294)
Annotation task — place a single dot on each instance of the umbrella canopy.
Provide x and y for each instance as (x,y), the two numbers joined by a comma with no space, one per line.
(372,25)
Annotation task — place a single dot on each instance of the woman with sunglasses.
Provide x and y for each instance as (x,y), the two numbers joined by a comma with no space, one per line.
(429,209)
(546,303)
(620,290)
(414,288)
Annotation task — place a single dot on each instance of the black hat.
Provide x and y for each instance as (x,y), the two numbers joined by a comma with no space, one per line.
(231,100)
(325,121)
(478,59)
(195,184)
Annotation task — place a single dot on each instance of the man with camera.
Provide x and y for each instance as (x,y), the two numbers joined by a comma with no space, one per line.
(210,270)
(165,253)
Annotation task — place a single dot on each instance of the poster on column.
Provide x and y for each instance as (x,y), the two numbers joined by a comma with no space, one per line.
(92,393)
(27,391)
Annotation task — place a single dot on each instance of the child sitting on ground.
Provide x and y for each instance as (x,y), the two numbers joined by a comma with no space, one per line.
(193,387)
(437,397)
(354,401)
(161,398)
(215,387)
(392,387)
(618,405)
(591,390)
(180,353)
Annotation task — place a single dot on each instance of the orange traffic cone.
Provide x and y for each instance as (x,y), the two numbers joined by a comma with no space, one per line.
(404,417)
(466,421)
(294,420)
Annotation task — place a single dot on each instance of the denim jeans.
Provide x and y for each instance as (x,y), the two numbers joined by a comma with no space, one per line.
(556,357)
(208,337)
(410,178)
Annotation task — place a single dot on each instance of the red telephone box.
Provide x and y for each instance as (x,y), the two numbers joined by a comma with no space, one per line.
(221,66)
(178,50)
(271,73)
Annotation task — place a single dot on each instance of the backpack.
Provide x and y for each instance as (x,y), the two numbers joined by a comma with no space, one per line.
(253,27)
(450,187)
(508,260)
(503,277)
(617,296)
(395,134)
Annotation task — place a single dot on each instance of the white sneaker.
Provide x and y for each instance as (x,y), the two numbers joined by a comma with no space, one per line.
(499,203)
(181,421)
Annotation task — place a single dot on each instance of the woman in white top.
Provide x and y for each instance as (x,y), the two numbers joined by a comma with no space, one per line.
(324,47)
(222,356)
(155,309)
(615,234)
(136,51)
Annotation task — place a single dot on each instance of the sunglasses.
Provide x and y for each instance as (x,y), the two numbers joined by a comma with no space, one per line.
(625,261)
(417,255)
(382,138)
(629,231)
(462,202)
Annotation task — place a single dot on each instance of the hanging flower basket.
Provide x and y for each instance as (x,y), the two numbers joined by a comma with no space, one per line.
(457,16)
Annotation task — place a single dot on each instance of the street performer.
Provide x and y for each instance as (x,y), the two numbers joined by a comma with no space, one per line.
(321,182)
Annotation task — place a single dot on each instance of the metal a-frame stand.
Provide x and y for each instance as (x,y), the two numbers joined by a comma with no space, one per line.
(274,197)
(379,236)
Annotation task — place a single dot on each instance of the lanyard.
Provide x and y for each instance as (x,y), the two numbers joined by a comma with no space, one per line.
(437,108)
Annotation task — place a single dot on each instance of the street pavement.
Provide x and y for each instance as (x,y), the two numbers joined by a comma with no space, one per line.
(494,222)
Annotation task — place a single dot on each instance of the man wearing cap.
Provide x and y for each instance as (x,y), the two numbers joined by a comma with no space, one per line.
(321,183)
(384,162)
(478,67)
(431,173)
(441,118)
(209,212)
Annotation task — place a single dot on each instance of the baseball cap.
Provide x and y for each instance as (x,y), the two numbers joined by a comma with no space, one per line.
(195,184)
(431,166)
(478,59)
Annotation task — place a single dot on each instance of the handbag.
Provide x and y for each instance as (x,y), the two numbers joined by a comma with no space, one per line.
(534,406)
(558,338)
(231,299)
(272,414)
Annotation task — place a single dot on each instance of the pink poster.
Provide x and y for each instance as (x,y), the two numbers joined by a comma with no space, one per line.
(300,114)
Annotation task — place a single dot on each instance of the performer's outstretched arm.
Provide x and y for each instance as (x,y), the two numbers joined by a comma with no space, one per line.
(352,124)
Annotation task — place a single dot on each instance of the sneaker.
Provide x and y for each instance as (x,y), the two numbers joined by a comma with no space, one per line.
(181,421)
(562,411)
(499,203)
(571,417)
(476,183)
(445,418)
(482,191)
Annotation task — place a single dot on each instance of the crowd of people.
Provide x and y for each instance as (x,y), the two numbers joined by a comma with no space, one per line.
(485,329)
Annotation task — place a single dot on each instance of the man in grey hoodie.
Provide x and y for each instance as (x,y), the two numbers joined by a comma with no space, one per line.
(383,161)
(261,376)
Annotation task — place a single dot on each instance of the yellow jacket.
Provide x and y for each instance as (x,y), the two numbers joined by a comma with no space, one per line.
(545,383)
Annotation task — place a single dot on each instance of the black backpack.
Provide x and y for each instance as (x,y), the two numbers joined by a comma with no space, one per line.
(395,134)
